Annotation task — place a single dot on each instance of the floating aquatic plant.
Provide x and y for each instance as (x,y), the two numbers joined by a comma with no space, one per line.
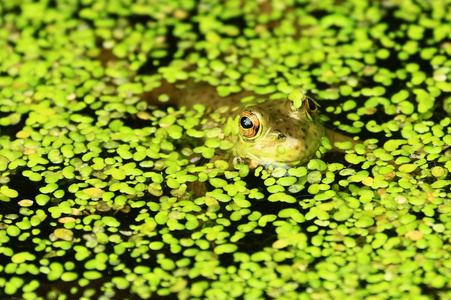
(119,197)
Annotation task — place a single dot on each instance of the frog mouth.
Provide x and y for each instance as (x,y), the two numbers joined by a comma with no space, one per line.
(254,160)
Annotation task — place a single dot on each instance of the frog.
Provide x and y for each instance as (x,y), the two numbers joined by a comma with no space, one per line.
(265,131)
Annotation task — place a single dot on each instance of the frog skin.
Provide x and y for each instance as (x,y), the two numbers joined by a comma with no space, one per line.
(263,131)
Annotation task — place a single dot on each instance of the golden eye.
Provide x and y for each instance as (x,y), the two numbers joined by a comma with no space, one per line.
(310,105)
(249,124)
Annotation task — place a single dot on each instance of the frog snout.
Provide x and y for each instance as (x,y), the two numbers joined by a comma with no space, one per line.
(281,136)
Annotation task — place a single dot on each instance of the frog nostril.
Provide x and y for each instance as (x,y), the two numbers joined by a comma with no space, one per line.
(281,136)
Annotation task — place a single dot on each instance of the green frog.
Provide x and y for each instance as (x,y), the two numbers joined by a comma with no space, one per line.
(283,132)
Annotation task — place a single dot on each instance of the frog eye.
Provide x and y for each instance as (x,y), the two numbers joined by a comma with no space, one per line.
(249,124)
(311,106)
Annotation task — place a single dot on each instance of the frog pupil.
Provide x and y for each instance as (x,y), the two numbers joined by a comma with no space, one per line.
(246,123)
(311,104)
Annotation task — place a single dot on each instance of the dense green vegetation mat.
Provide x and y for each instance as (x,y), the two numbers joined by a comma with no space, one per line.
(96,185)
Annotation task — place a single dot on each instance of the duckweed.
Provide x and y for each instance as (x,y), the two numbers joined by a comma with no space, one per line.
(104,181)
